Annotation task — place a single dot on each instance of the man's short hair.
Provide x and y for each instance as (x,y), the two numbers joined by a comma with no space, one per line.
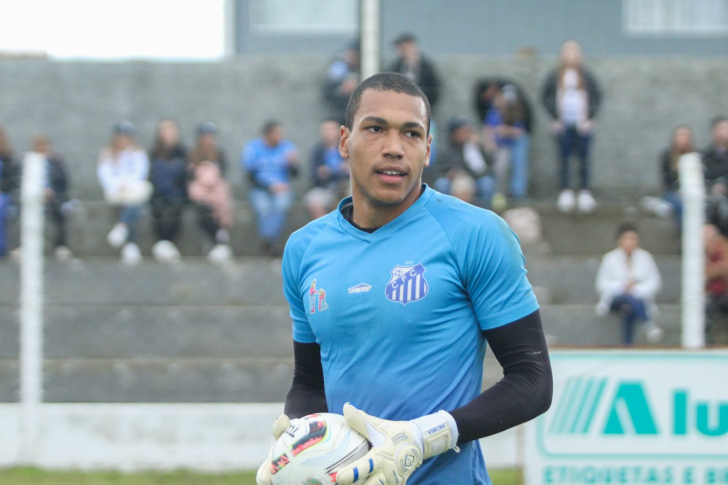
(626,227)
(269,125)
(716,120)
(385,81)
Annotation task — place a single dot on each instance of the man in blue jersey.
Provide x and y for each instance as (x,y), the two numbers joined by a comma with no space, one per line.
(415,284)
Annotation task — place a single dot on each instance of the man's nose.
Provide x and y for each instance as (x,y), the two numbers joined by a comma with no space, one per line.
(393,145)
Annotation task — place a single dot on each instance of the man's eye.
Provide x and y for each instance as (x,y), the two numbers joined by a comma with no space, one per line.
(374,129)
(413,134)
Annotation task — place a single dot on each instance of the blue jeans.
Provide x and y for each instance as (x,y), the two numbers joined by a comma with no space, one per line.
(673,198)
(633,310)
(130,215)
(519,166)
(569,141)
(5,202)
(485,188)
(270,210)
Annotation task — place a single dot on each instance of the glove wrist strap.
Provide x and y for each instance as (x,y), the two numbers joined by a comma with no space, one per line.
(439,433)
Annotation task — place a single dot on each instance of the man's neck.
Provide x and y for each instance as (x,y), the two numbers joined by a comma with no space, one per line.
(367,214)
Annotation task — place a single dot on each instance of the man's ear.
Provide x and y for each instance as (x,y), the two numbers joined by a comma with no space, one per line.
(429,151)
(344,142)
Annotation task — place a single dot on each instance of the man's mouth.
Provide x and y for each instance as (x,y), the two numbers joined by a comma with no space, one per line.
(392,173)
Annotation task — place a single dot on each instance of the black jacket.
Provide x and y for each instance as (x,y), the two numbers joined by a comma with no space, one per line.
(427,80)
(550,88)
(715,165)
(669,176)
(58,176)
(9,175)
(453,158)
(482,106)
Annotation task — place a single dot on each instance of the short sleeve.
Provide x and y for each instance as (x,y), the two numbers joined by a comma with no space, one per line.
(292,290)
(249,157)
(495,274)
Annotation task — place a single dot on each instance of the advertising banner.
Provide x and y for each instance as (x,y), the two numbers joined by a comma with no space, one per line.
(633,417)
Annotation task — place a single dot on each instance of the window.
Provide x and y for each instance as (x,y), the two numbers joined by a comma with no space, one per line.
(676,17)
(305,16)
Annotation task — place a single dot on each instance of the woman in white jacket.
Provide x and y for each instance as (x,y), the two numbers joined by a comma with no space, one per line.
(627,282)
(123,171)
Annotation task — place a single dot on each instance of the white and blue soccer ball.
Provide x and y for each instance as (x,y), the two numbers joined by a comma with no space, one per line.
(314,448)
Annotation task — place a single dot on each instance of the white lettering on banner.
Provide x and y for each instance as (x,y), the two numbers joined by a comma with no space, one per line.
(632,417)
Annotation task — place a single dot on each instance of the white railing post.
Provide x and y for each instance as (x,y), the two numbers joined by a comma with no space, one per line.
(31,303)
(370,24)
(692,191)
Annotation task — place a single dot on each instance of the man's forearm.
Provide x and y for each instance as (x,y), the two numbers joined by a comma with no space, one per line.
(307,394)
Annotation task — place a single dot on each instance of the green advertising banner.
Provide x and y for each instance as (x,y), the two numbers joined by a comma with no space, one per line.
(633,417)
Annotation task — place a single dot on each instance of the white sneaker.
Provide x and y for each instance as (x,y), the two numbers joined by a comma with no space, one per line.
(586,202)
(653,332)
(165,252)
(566,200)
(656,206)
(130,254)
(221,253)
(63,254)
(118,235)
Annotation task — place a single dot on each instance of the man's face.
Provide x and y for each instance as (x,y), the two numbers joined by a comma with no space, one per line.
(388,147)
(720,134)
(274,136)
(409,51)
(629,241)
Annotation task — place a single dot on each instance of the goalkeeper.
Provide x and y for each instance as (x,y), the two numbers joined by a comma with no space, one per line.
(415,284)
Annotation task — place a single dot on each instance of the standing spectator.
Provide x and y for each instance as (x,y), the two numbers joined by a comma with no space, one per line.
(123,172)
(56,195)
(506,136)
(210,192)
(464,157)
(715,169)
(572,97)
(270,161)
(9,184)
(627,282)
(342,76)
(681,143)
(168,174)
(329,171)
(716,273)
(416,66)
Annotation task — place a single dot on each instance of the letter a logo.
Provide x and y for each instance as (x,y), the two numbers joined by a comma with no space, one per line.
(630,412)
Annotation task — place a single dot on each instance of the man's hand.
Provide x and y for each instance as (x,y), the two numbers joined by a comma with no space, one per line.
(398,447)
(264,472)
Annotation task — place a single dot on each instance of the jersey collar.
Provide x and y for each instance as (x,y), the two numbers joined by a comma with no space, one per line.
(388,228)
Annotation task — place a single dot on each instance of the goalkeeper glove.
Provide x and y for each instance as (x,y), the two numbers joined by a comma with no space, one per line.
(263,477)
(398,447)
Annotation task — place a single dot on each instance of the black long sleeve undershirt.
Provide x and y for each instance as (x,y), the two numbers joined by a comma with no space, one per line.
(523,393)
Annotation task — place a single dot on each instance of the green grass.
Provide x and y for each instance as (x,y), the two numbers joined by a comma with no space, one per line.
(32,476)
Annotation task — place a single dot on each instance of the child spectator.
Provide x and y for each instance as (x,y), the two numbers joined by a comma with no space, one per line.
(572,97)
(210,192)
(506,136)
(123,171)
(715,170)
(56,195)
(329,171)
(627,282)
(168,174)
(270,161)
(9,184)
(464,156)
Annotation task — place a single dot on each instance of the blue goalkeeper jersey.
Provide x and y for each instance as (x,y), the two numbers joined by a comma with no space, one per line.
(399,313)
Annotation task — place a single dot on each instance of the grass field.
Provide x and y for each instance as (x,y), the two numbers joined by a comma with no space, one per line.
(31,476)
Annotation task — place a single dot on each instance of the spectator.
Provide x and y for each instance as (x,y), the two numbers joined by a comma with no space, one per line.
(270,161)
(9,184)
(715,167)
(342,76)
(329,171)
(56,195)
(716,273)
(627,282)
(168,175)
(416,66)
(506,136)
(485,90)
(464,157)
(123,172)
(572,97)
(210,192)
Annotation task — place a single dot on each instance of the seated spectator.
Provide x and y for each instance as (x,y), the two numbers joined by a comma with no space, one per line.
(627,282)
(342,76)
(572,97)
(270,161)
(168,174)
(485,91)
(123,172)
(329,171)
(506,137)
(210,192)
(715,170)
(716,273)
(681,143)
(464,156)
(9,185)
(56,195)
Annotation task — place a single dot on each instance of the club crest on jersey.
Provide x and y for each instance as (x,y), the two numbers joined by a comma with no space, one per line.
(408,284)
(316,298)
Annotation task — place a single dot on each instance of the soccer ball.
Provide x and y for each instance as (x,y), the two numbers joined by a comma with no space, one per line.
(314,448)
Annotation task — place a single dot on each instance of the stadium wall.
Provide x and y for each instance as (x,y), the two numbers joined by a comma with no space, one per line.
(77,104)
